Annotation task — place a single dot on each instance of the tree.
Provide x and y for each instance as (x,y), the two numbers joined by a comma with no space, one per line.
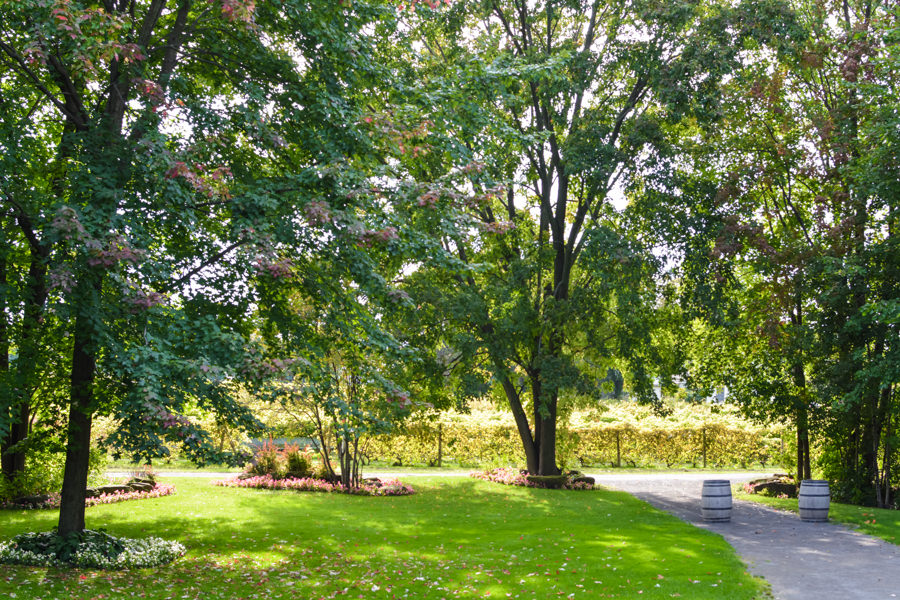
(799,231)
(544,110)
(188,139)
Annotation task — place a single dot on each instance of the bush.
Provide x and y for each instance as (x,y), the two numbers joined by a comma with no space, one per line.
(280,463)
(492,444)
(298,462)
(267,461)
(88,549)
(44,474)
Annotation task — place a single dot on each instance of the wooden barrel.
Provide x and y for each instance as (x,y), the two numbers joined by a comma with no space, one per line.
(814,500)
(715,503)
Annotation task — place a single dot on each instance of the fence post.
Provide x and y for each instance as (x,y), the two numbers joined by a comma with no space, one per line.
(440,443)
(618,451)
(704,447)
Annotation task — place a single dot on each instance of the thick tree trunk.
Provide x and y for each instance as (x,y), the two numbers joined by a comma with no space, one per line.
(869,446)
(78,446)
(547,450)
(78,452)
(803,461)
(804,469)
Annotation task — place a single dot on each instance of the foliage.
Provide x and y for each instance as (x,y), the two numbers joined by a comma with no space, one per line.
(182,158)
(44,474)
(434,543)
(298,463)
(488,438)
(267,461)
(790,241)
(537,115)
(88,549)
(288,461)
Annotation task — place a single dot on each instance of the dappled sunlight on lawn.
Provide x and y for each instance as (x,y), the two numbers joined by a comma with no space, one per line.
(461,538)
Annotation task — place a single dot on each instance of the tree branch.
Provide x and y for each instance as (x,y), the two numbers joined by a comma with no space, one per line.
(212,260)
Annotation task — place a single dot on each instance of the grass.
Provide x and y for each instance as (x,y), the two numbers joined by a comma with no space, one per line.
(879,522)
(456,538)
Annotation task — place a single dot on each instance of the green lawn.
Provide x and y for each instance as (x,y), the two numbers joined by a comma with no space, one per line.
(880,522)
(456,538)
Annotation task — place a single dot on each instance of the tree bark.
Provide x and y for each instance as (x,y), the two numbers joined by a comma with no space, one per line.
(515,404)
(547,450)
(23,380)
(78,446)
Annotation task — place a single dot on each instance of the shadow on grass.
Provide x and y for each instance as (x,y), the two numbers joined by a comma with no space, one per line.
(461,537)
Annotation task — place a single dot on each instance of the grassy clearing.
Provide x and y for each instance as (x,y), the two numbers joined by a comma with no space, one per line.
(456,538)
(879,522)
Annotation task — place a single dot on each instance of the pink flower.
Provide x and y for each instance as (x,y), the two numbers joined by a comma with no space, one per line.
(309,484)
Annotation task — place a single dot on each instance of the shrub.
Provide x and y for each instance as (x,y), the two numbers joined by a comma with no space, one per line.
(267,461)
(88,549)
(44,474)
(489,443)
(298,462)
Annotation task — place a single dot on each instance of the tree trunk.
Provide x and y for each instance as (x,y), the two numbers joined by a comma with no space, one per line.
(803,460)
(885,496)
(547,450)
(78,446)
(7,458)
(23,380)
(882,483)
(515,404)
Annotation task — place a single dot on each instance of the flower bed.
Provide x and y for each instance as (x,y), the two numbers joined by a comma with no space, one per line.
(52,500)
(508,476)
(779,486)
(390,487)
(88,549)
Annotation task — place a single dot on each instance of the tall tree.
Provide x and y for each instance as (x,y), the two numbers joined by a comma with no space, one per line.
(189,139)
(799,227)
(545,109)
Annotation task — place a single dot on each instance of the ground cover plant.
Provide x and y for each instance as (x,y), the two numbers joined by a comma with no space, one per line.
(456,538)
(879,522)
(88,549)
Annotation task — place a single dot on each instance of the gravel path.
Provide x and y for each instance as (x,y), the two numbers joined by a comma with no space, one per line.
(801,560)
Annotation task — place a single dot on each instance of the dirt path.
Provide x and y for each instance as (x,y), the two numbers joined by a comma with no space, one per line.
(802,561)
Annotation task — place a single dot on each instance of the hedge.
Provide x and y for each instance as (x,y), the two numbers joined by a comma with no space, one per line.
(497,444)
